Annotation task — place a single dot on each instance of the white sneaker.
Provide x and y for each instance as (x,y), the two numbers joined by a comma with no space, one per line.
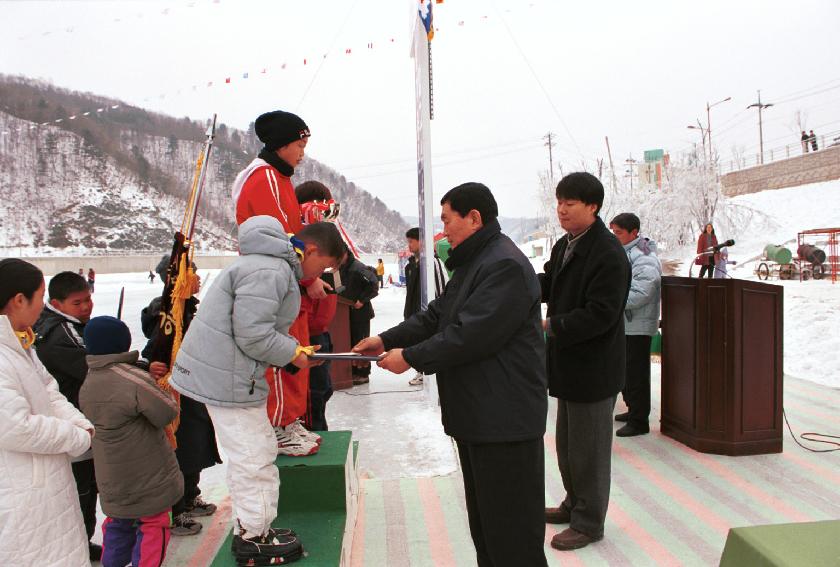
(298,427)
(291,444)
(416,381)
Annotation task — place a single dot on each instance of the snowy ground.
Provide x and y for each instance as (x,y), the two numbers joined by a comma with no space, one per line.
(811,308)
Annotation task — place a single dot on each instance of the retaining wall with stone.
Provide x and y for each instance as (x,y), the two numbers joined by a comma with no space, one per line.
(823,165)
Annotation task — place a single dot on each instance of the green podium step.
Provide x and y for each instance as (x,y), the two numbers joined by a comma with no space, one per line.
(318,497)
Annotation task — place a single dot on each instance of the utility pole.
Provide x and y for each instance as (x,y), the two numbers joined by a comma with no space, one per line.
(760,107)
(549,142)
(709,124)
(612,168)
(631,164)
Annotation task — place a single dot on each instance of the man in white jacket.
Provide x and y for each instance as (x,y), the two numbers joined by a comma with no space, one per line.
(40,520)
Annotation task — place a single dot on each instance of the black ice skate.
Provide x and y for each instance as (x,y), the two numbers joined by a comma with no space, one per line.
(277,547)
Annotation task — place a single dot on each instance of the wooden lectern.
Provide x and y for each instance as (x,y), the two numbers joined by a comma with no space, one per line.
(341,372)
(722,365)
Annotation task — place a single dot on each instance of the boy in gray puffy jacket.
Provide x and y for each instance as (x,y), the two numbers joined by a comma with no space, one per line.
(241,329)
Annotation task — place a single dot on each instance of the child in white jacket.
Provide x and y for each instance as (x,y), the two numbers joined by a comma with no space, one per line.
(40,519)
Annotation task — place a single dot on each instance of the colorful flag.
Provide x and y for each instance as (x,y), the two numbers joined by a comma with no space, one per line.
(425,11)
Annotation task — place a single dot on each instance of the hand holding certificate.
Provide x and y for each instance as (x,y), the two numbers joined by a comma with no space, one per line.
(351,356)
(392,360)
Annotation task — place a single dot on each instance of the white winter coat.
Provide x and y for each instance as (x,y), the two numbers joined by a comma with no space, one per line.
(40,519)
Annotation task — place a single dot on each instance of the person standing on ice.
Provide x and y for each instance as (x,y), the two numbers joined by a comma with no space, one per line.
(483,339)
(265,188)
(40,431)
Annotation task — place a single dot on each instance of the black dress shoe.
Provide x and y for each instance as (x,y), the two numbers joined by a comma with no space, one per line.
(622,416)
(631,430)
(559,515)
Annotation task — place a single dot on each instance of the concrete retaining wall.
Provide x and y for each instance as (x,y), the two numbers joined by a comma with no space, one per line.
(129,264)
(118,264)
(815,167)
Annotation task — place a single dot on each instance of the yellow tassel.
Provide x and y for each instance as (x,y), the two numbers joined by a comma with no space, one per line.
(181,291)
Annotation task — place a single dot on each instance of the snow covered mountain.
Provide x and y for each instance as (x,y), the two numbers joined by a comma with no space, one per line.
(116,181)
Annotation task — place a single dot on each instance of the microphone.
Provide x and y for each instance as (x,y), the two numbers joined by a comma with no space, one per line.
(723,244)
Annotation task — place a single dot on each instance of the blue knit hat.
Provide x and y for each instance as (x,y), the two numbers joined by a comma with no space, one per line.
(107,335)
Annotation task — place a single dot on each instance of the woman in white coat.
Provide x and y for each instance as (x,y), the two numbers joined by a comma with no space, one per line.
(40,518)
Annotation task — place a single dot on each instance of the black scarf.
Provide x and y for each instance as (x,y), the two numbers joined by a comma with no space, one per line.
(465,251)
(274,161)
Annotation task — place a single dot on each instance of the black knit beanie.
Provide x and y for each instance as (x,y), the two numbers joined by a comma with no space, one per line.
(107,335)
(278,128)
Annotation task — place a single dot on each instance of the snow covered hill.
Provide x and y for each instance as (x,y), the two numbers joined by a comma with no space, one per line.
(80,173)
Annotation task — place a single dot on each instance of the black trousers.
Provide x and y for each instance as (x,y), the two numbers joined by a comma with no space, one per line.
(708,268)
(85,477)
(191,492)
(320,386)
(504,485)
(636,391)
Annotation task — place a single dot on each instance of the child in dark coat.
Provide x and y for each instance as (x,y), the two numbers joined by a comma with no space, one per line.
(138,475)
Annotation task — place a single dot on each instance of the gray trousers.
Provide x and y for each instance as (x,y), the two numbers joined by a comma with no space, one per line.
(584,454)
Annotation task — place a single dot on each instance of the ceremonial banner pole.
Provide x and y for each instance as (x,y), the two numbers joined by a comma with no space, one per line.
(420,52)
(180,279)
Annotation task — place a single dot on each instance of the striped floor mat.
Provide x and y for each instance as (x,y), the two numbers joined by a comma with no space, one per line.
(669,505)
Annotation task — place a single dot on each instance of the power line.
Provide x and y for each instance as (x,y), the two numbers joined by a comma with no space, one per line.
(537,79)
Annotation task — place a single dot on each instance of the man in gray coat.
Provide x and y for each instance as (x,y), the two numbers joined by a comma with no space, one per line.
(241,329)
(641,322)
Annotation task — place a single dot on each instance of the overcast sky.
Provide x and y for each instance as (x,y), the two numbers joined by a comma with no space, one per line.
(505,74)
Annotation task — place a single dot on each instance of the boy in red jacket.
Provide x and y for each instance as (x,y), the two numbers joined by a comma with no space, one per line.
(265,188)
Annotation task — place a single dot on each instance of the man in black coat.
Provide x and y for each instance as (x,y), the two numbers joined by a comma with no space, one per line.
(60,346)
(585,284)
(483,339)
(412,273)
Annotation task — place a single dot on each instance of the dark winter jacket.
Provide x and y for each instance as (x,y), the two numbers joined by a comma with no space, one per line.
(586,300)
(412,288)
(136,470)
(483,339)
(60,346)
(195,435)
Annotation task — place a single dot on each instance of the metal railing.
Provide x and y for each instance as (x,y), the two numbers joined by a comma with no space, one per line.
(778,153)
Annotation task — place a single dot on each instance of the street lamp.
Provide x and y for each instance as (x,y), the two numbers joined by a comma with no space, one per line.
(709,123)
(760,107)
(702,134)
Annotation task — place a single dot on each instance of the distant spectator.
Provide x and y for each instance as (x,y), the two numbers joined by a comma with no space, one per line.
(91,279)
(813,138)
(380,273)
(82,272)
(151,276)
(706,256)
(412,283)
(723,261)
(805,138)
